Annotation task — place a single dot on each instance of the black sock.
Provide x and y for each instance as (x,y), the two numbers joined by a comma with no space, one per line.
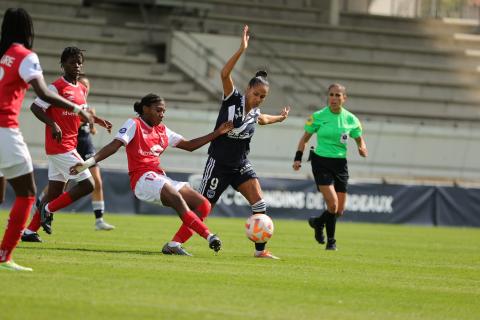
(322,219)
(260,246)
(330,225)
(98,213)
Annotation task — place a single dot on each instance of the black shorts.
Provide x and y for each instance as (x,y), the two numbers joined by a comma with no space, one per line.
(85,147)
(217,177)
(328,171)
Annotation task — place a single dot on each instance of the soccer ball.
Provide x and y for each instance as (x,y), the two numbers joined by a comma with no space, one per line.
(259,228)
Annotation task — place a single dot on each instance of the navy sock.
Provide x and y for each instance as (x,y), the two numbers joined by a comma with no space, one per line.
(98,213)
(260,246)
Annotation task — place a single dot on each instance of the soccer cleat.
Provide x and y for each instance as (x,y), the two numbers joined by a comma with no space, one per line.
(31,237)
(46,219)
(318,227)
(102,225)
(265,254)
(215,243)
(331,245)
(12,266)
(178,250)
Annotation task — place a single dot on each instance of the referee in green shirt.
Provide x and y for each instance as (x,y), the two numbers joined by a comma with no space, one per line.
(333,125)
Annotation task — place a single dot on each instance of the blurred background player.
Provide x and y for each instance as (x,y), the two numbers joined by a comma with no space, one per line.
(19,68)
(145,138)
(86,150)
(61,133)
(227,163)
(333,125)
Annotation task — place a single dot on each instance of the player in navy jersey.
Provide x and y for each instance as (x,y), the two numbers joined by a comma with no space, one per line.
(227,163)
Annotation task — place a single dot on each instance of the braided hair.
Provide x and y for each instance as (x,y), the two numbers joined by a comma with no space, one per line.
(17,26)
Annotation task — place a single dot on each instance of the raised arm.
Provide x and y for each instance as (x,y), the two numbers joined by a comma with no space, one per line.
(104,153)
(226,73)
(41,115)
(194,144)
(264,119)
(42,91)
(297,162)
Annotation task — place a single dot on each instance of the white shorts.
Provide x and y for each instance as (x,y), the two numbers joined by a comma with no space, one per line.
(15,160)
(59,167)
(150,185)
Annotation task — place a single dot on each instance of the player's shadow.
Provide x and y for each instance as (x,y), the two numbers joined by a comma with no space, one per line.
(139,252)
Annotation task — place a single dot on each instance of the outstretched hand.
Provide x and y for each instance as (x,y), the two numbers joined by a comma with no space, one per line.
(285,112)
(77,168)
(225,127)
(103,123)
(245,38)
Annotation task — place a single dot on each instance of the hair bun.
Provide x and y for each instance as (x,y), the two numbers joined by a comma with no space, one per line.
(261,73)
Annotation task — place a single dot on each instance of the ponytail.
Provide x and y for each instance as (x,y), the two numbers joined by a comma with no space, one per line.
(260,78)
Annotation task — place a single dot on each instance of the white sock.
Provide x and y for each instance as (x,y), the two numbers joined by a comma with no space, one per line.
(98,205)
(99,220)
(173,244)
(27,231)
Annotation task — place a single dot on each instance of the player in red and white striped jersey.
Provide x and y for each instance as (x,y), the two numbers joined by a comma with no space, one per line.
(19,68)
(145,139)
(61,133)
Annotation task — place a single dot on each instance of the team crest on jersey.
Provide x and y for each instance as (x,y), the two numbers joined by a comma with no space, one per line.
(238,114)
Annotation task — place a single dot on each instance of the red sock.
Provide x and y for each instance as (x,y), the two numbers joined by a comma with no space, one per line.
(60,202)
(16,223)
(35,222)
(191,220)
(185,233)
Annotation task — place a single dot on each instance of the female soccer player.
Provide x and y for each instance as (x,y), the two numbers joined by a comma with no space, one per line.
(86,150)
(145,138)
(333,125)
(19,68)
(61,133)
(227,163)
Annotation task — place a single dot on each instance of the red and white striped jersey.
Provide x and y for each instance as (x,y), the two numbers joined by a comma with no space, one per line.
(18,66)
(144,145)
(67,120)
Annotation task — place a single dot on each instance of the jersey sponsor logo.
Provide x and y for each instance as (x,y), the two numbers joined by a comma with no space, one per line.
(7,60)
(122,130)
(156,150)
(2,73)
(68,113)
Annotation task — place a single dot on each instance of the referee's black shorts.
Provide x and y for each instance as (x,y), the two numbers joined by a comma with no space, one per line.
(328,171)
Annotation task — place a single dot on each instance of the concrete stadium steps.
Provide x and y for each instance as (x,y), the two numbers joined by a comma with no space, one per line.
(281,11)
(401,69)
(437,89)
(365,51)
(69,8)
(58,41)
(102,62)
(440,26)
(168,82)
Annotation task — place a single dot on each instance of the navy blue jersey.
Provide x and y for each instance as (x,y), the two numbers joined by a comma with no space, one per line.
(232,148)
(84,130)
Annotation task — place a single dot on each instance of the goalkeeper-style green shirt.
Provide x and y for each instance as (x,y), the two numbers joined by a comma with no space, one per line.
(333,130)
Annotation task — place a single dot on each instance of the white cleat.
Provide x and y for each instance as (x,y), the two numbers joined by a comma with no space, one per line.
(102,225)
(12,266)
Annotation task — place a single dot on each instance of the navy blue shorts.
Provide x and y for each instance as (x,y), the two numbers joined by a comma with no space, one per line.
(85,147)
(217,177)
(328,171)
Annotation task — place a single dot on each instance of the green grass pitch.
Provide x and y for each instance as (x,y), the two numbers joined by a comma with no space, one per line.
(380,272)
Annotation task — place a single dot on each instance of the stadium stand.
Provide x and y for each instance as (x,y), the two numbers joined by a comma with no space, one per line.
(414,82)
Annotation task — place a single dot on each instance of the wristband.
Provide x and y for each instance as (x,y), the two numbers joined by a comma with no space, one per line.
(87,164)
(76,109)
(298,156)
